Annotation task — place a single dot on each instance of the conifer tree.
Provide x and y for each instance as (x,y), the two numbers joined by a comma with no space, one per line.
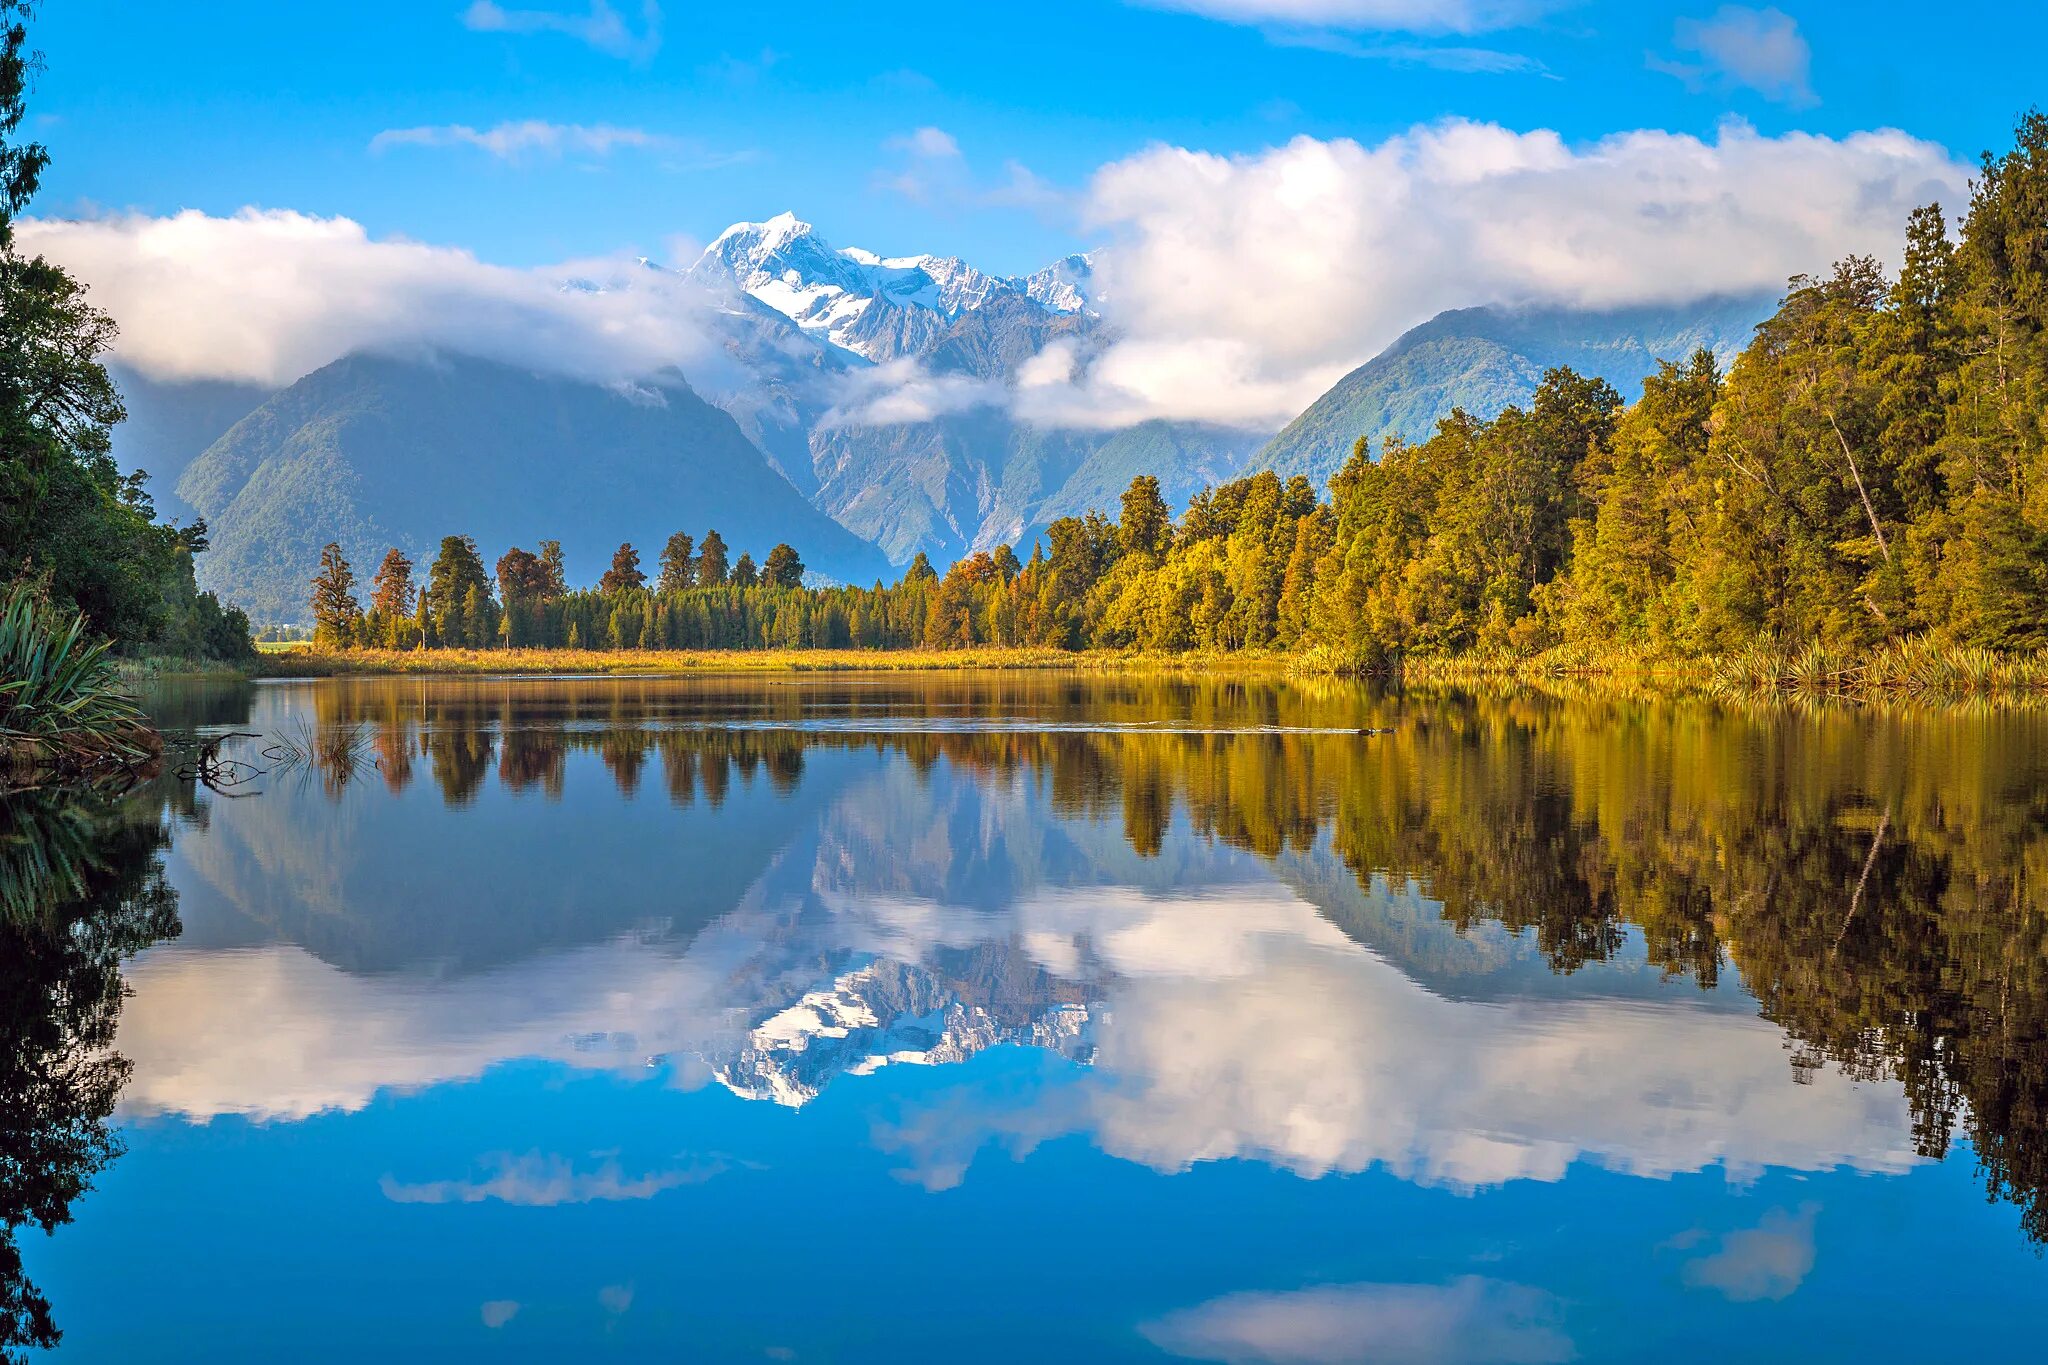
(783,569)
(624,574)
(456,574)
(711,561)
(678,565)
(744,574)
(1147,526)
(391,595)
(336,613)
(554,583)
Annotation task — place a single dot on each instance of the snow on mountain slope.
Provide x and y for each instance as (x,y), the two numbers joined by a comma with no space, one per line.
(1065,286)
(879,307)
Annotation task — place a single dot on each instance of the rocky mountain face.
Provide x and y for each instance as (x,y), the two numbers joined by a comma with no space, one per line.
(945,483)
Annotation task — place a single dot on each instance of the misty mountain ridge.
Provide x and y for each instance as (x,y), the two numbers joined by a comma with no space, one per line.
(375,452)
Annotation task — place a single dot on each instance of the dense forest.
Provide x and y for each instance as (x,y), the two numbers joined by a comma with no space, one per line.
(1872,468)
(82,536)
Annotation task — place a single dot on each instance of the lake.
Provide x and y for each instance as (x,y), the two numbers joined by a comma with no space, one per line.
(1034,1017)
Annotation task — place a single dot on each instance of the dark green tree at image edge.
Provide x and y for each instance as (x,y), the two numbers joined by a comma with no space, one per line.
(71,524)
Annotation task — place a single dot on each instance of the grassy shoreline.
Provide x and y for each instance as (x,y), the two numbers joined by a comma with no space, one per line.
(1914,671)
(308,663)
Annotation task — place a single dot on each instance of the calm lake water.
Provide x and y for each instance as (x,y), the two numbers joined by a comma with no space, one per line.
(1033,1018)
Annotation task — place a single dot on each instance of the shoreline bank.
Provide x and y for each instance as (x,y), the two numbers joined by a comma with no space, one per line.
(1912,673)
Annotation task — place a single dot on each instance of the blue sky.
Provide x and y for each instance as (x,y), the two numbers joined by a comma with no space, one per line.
(748,110)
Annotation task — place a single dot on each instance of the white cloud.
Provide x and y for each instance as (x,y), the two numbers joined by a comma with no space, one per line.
(1247,1026)
(928,143)
(1470,1321)
(498,1312)
(1768,1261)
(1241,286)
(902,390)
(930,170)
(1469,60)
(1235,1025)
(1407,16)
(1236,288)
(513,140)
(1761,49)
(538,1181)
(929,167)
(269,296)
(601,27)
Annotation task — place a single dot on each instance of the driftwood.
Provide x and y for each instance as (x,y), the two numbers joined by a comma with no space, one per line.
(221,775)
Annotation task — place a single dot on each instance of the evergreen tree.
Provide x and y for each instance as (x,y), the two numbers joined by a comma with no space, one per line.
(744,575)
(624,574)
(678,564)
(1147,526)
(454,580)
(69,519)
(783,569)
(554,583)
(522,578)
(336,613)
(391,595)
(711,561)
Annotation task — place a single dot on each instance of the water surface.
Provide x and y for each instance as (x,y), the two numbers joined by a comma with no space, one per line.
(1030,1018)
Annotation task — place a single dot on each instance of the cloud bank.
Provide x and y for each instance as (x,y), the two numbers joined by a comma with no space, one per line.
(1243,286)
(268,296)
(1236,289)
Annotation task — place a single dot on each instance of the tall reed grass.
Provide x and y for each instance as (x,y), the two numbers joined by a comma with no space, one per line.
(63,711)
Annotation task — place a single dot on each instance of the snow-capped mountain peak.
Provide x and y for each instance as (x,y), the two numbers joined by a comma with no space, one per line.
(1065,286)
(875,306)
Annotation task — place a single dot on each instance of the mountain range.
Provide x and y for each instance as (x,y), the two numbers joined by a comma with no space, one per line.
(776,437)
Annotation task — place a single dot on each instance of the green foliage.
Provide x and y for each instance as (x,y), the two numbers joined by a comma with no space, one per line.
(783,568)
(337,616)
(69,519)
(711,561)
(61,703)
(678,563)
(624,574)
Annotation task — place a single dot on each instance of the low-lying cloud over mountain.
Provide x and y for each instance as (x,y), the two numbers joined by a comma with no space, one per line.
(1245,286)
(1232,289)
(267,296)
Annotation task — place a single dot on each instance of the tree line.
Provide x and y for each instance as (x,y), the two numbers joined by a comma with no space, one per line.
(1872,467)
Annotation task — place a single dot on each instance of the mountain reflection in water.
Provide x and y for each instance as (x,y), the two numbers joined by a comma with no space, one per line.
(1514,938)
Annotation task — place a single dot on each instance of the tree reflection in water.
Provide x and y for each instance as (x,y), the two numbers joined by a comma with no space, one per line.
(1880,880)
(81,889)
